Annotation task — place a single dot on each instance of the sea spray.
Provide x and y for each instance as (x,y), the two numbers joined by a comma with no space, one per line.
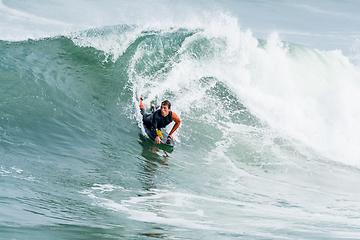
(304,94)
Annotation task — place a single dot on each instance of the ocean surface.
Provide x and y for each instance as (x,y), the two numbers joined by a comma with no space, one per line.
(269,97)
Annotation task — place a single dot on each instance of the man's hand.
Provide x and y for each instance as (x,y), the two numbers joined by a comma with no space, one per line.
(171,136)
(158,140)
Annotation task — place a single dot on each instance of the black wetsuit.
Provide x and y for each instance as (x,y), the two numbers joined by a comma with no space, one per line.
(155,120)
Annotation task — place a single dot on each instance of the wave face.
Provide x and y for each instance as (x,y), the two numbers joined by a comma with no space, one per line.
(267,148)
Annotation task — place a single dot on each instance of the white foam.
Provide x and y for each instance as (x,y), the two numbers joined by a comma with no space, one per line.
(113,43)
(305,94)
(133,207)
(310,96)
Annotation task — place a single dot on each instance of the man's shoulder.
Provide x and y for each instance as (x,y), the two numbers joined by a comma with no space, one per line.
(175,117)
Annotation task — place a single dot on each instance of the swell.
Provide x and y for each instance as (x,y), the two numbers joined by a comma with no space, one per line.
(221,81)
(72,149)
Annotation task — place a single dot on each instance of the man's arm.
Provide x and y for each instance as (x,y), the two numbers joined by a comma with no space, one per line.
(176,119)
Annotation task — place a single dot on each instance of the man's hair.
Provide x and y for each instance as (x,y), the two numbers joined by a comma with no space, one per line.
(166,103)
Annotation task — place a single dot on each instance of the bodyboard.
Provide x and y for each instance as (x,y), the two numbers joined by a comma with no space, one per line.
(168,143)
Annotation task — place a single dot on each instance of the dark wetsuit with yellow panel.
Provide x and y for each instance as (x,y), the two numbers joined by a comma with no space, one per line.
(155,120)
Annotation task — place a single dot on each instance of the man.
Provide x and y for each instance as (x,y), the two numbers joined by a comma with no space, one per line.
(160,118)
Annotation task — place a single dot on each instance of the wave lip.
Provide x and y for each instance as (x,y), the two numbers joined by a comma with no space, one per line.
(303,94)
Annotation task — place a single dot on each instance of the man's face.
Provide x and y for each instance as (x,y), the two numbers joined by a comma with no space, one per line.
(164,110)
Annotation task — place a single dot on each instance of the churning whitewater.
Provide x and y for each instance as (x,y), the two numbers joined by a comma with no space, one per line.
(267,147)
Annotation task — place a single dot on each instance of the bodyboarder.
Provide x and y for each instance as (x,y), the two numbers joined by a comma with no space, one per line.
(159,119)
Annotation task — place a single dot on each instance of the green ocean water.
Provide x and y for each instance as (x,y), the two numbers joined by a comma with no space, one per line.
(267,147)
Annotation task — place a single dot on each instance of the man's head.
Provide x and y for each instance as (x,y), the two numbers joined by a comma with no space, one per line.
(165,108)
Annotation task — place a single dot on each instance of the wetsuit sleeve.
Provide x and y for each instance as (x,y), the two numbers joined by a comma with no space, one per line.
(176,119)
